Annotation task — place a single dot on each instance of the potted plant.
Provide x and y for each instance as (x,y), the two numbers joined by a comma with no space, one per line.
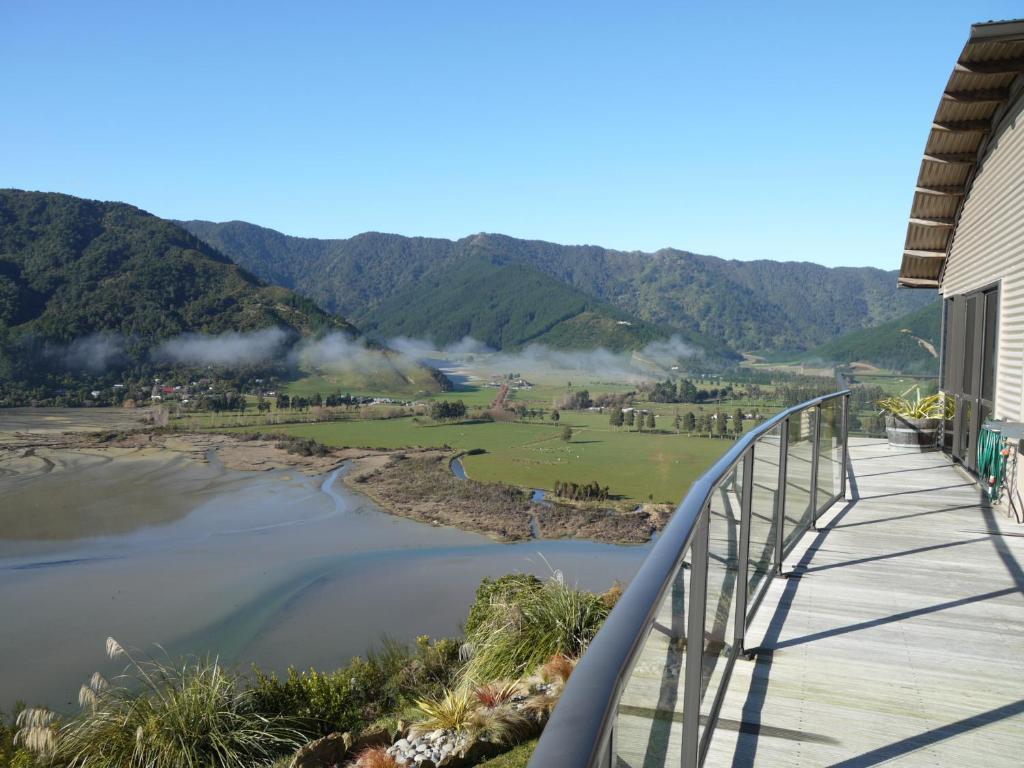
(913,423)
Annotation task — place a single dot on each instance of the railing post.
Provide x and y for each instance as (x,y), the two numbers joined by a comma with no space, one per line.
(692,683)
(743,555)
(845,426)
(815,458)
(780,496)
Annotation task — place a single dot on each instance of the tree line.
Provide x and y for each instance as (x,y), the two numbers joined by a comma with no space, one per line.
(685,391)
(592,491)
(447,410)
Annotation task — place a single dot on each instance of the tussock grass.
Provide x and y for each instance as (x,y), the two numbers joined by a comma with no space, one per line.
(158,715)
(523,629)
(501,725)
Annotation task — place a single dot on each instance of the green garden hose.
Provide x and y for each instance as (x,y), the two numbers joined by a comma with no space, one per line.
(992,461)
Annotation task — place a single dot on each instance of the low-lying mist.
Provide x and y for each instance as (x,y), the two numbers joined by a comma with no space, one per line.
(339,352)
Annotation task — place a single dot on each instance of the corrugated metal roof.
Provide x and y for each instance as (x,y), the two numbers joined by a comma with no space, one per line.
(988,71)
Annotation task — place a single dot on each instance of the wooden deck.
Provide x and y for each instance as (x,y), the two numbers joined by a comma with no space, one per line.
(898,640)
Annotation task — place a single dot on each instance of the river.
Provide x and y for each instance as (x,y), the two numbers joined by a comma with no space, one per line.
(272,568)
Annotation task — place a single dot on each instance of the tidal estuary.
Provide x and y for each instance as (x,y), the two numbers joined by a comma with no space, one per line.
(274,568)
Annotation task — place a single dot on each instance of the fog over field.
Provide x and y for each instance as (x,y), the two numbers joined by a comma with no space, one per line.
(341,351)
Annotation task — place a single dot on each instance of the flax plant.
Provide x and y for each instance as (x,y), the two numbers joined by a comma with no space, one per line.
(931,407)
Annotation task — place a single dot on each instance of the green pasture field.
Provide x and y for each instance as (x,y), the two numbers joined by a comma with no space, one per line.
(897,383)
(634,465)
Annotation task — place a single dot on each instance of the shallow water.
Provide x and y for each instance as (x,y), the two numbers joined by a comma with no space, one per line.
(272,568)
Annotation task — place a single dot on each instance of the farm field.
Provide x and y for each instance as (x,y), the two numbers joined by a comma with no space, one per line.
(896,383)
(638,466)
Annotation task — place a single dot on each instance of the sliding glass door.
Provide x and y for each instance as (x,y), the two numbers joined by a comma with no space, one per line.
(969,366)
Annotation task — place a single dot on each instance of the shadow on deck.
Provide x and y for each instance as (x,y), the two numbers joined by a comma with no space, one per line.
(897,639)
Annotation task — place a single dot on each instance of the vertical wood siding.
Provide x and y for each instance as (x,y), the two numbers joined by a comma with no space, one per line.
(988,247)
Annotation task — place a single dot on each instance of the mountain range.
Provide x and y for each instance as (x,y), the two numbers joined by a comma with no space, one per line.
(74,269)
(509,292)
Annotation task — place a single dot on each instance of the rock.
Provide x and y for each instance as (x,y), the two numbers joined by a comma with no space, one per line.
(465,753)
(326,752)
(435,735)
(377,738)
(401,744)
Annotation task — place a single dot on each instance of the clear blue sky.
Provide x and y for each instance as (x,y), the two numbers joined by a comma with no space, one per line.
(779,130)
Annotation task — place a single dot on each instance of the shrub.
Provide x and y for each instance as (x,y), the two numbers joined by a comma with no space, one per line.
(522,629)
(352,697)
(160,716)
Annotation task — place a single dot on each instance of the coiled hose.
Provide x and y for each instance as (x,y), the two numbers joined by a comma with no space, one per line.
(992,462)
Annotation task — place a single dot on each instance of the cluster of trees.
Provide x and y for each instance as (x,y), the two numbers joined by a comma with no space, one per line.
(685,391)
(576,401)
(220,401)
(632,418)
(591,491)
(443,382)
(714,424)
(445,410)
(336,400)
(303,446)
(524,412)
(614,399)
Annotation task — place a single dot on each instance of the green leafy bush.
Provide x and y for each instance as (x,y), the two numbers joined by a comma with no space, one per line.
(365,691)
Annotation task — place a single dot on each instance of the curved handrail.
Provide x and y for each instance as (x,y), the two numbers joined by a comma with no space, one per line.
(577,735)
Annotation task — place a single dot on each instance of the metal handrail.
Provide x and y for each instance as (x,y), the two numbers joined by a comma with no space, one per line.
(580,731)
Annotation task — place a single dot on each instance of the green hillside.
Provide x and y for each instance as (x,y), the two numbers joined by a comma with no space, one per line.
(747,305)
(74,269)
(507,306)
(901,344)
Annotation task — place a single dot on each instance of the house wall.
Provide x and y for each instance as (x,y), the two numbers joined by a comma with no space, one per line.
(988,247)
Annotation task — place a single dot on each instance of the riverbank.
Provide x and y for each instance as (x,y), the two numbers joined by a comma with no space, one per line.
(20,450)
(421,485)
(151,546)
(414,484)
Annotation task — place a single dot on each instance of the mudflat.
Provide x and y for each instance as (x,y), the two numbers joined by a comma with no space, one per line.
(161,539)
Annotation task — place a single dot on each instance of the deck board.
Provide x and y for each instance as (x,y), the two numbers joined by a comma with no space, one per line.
(900,641)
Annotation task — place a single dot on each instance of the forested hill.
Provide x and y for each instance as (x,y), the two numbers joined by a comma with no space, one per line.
(71,267)
(747,305)
(908,344)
